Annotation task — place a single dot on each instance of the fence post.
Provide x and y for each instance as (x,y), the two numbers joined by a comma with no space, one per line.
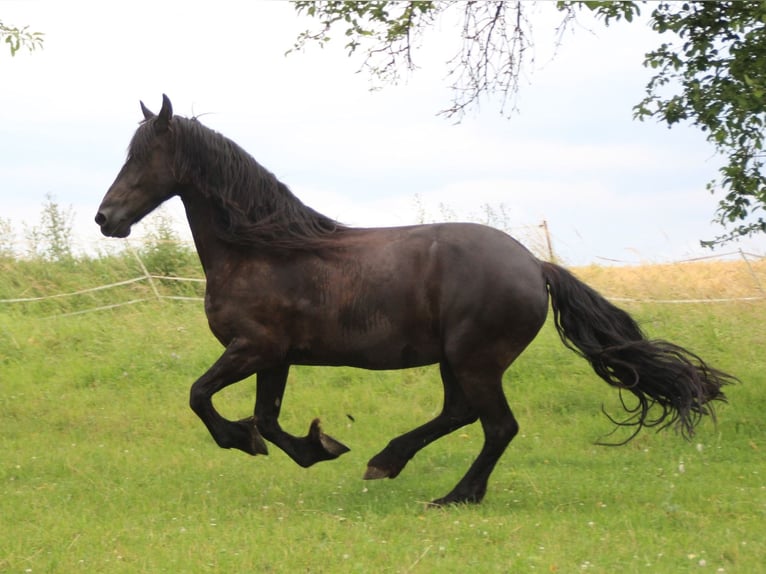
(148,275)
(752,272)
(548,243)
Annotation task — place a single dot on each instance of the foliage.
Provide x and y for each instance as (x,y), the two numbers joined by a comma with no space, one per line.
(494,39)
(50,279)
(495,35)
(716,79)
(52,238)
(18,38)
(163,252)
(712,73)
(6,238)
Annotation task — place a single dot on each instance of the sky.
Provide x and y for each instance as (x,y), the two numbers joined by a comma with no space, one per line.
(609,188)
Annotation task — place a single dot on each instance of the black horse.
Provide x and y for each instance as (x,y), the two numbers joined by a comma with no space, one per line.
(287,285)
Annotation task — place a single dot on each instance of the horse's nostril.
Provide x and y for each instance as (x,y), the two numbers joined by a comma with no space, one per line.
(100,218)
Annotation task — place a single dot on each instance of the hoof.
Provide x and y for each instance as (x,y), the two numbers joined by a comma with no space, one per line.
(257,445)
(454,500)
(441,503)
(384,465)
(329,445)
(375,473)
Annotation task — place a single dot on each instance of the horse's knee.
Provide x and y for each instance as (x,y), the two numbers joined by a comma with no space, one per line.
(198,399)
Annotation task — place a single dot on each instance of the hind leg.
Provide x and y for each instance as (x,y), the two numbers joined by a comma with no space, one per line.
(456,412)
(486,395)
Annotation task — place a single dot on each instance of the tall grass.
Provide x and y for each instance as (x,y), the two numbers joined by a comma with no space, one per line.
(105,468)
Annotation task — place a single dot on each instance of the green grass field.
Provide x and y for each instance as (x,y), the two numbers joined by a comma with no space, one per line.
(106,469)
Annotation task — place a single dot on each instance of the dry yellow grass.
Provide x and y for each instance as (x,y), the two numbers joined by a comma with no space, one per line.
(679,281)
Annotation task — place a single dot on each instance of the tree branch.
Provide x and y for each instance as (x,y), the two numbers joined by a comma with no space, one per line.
(18,38)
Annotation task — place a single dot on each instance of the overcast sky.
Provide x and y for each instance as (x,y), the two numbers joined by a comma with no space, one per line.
(608,186)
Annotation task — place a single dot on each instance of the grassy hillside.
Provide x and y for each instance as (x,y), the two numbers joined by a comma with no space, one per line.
(105,468)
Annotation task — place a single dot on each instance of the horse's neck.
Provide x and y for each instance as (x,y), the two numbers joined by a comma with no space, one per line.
(199,213)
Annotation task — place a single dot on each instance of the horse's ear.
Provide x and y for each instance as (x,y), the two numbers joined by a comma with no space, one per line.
(165,115)
(148,114)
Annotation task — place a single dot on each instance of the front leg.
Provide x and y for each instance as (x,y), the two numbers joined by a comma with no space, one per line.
(239,361)
(312,448)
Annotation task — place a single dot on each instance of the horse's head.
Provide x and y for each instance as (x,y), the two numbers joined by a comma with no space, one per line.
(147,178)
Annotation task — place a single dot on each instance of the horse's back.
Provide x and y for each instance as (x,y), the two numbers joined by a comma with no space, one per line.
(465,261)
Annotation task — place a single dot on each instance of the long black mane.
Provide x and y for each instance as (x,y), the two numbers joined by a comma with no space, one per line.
(253,207)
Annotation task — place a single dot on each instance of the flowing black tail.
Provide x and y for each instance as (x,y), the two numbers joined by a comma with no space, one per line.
(656,372)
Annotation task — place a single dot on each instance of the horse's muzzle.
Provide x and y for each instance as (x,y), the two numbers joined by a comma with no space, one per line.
(112,227)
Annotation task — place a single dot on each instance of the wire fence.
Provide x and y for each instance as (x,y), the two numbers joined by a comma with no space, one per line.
(155,281)
(151,279)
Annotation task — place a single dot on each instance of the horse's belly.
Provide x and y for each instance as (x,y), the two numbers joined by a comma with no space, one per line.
(367,353)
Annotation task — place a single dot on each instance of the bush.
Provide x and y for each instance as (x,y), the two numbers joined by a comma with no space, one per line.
(52,239)
(164,253)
